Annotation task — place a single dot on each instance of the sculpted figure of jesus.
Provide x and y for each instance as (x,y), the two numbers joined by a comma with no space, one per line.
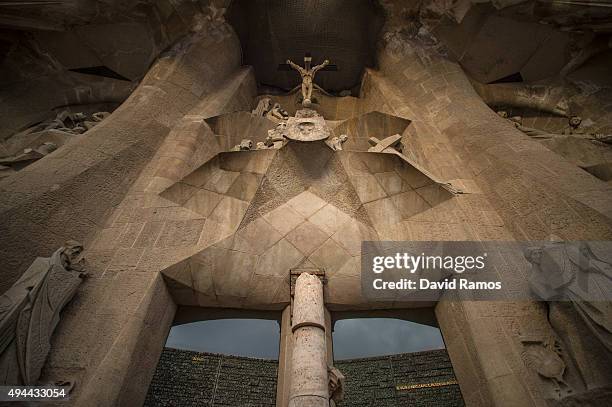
(307,73)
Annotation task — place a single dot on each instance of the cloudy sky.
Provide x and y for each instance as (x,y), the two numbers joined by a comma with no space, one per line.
(353,338)
(257,338)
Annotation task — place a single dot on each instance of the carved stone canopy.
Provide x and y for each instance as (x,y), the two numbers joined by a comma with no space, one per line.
(307,126)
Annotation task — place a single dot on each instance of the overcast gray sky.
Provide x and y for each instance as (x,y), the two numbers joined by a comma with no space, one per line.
(258,338)
(359,338)
(353,338)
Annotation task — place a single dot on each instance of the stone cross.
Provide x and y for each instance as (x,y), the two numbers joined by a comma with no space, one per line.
(379,146)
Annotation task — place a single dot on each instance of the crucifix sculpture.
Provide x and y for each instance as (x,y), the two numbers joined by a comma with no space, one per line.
(307,74)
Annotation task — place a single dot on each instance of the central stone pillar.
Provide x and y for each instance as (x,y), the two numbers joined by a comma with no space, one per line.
(309,379)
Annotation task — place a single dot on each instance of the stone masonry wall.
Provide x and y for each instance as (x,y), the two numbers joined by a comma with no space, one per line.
(409,379)
(185,378)
(72,192)
(113,331)
(189,379)
(516,189)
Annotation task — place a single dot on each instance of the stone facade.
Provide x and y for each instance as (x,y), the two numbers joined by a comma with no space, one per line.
(423,379)
(193,379)
(169,217)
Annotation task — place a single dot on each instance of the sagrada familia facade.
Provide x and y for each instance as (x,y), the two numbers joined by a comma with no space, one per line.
(164,160)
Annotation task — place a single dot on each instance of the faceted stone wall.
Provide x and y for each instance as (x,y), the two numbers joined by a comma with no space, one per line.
(184,378)
(71,193)
(113,331)
(518,189)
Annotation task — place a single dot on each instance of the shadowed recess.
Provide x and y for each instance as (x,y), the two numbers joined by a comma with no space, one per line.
(270,31)
(103,71)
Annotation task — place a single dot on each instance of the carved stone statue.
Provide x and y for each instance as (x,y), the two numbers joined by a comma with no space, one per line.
(573,129)
(336,385)
(335,143)
(575,281)
(276,136)
(277,114)
(385,145)
(307,73)
(27,146)
(245,145)
(30,312)
(573,125)
(274,141)
(543,355)
(263,107)
(274,112)
(73,123)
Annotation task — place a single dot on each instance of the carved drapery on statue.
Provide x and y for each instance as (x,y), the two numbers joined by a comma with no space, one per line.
(30,312)
(574,279)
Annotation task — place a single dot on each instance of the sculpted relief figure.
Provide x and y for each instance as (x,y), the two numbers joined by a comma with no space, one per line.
(335,143)
(573,129)
(573,126)
(517,121)
(276,136)
(273,111)
(245,145)
(263,107)
(307,73)
(36,142)
(277,113)
(575,281)
(72,123)
(543,355)
(336,385)
(30,312)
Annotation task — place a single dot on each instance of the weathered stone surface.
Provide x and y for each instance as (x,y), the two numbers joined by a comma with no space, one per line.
(309,375)
(31,312)
(311,127)
(194,379)
(185,378)
(423,378)
(172,218)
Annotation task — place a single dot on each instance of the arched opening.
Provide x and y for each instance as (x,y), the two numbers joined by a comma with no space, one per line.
(217,357)
(394,357)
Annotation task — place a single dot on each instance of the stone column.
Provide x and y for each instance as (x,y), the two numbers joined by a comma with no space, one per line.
(309,380)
